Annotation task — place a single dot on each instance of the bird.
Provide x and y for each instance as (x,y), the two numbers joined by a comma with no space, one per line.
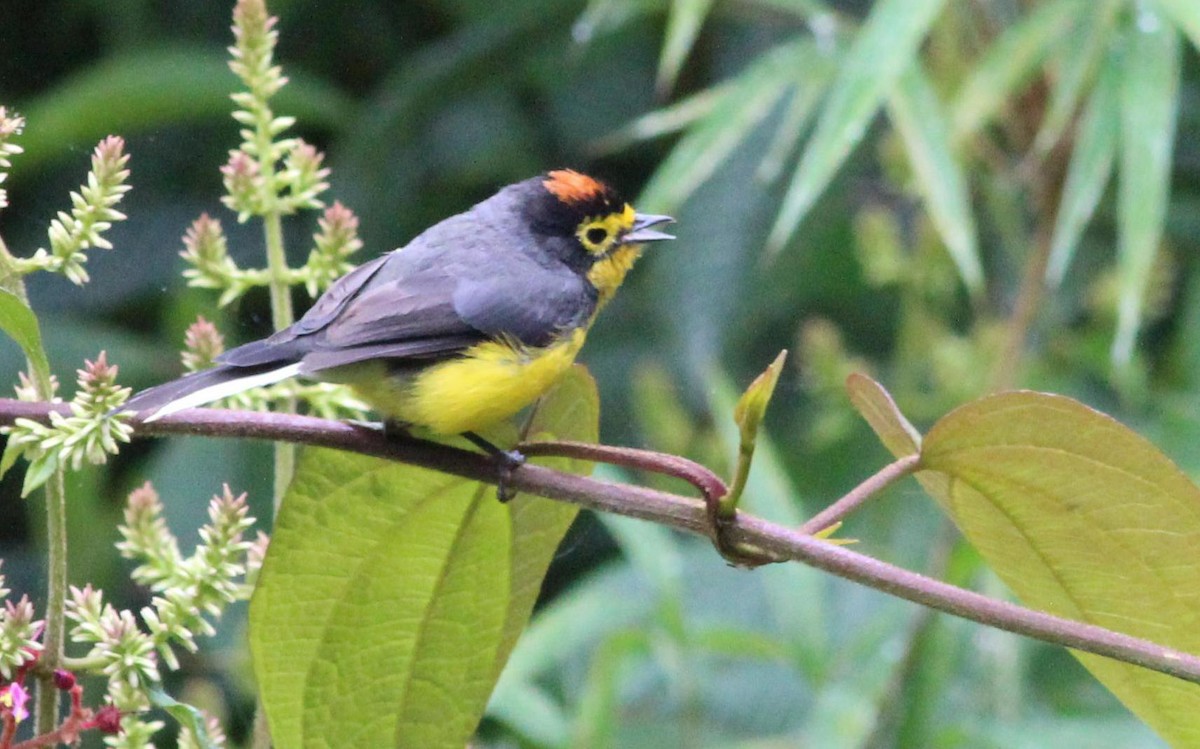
(459,330)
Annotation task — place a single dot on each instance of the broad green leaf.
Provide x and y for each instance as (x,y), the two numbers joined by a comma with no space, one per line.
(1089,171)
(392,595)
(188,717)
(1184,14)
(1085,519)
(1149,103)
(914,109)
(750,98)
(886,45)
(1010,62)
(150,88)
(1075,64)
(684,20)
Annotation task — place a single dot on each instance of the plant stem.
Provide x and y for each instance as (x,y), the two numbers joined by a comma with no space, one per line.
(46,710)
(885,477)
(281,317)
(56,598)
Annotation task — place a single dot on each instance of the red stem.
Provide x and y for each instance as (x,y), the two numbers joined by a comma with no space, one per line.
(885,477)
(710,486)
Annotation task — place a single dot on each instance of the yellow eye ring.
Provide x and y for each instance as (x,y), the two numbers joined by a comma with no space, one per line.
(599,234)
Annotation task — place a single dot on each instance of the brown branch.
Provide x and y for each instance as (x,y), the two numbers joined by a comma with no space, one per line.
(673,510)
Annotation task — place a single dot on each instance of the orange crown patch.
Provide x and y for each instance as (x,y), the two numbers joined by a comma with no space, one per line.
(570,186)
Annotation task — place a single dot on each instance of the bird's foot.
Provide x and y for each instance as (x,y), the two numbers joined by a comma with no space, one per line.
(506,462)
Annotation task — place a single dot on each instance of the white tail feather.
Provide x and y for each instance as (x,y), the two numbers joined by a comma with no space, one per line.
(225,389)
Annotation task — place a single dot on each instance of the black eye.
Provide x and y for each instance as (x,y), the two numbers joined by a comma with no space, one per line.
(596,235)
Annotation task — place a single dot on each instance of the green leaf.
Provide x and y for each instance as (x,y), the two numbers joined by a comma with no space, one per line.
(796,593)
(39,472)
(750,98)
(671,119)
(880,411)
(9,459)
(1089,171)
(794,123)
(21,324)
(921,121)
(1184,14)
(1010,62)
(528,710)
(1149,103)
(391,595)
(886,45)
(1075,64)
(188,717)
(153,87)
(748,414)
(683,26)
(1085,519)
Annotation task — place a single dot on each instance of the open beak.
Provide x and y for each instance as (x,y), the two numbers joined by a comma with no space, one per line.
(643,230)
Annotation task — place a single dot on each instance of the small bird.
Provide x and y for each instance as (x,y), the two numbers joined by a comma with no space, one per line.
(463,327)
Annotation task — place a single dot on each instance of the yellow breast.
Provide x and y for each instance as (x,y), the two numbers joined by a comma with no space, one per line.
(489,383)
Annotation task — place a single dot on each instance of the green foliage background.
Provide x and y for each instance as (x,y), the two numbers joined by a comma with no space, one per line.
(931,195)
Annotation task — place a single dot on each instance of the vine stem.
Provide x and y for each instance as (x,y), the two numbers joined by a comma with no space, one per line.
(885,477)
(684,513)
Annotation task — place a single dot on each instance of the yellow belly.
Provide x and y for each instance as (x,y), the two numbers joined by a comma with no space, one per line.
(489,383)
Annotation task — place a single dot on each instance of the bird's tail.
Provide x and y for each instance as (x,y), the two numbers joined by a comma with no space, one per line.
(206,386)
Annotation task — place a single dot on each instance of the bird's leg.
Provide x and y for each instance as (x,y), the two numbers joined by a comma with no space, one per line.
(393,429)
(506,462)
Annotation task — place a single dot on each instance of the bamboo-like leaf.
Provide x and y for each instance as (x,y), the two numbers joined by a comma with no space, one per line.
(1077,63)
(1185,15)
(794,122)
(671,119)
(914,109)
(1149,103)
(683,26)
(886,45)
(602,16)
(1010,62)
(1090,168)
(801,8)
(751,98)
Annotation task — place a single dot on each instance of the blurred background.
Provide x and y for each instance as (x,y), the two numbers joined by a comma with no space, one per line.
(952,197)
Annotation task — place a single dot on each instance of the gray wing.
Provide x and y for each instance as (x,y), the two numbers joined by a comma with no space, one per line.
(420,306)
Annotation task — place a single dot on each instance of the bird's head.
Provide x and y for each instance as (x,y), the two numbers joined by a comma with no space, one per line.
(589,226)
